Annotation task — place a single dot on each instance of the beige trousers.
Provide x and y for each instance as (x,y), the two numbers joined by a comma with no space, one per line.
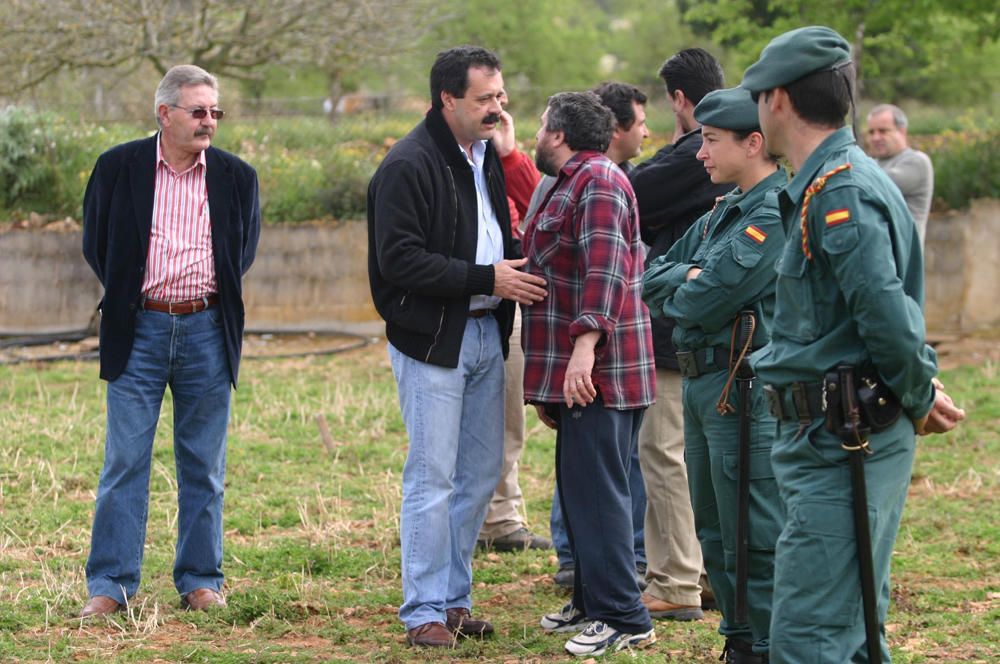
(506,511)
(673,553)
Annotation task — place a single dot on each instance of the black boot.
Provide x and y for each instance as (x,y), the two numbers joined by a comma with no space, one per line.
(740,652)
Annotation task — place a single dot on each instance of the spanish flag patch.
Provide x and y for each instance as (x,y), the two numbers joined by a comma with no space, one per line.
(835,217)
(758,235)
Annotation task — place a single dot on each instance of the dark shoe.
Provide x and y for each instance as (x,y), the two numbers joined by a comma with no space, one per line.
(431,635)
(462,623)
(202,599)
(100,605)
(519,540)
(659,608)
(740,652)
(708,602)
(565,577)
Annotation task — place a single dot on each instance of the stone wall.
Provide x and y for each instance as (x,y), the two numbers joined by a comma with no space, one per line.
(315,278)
(304,278)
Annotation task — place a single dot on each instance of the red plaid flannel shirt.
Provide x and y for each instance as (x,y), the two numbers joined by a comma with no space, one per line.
(585,242)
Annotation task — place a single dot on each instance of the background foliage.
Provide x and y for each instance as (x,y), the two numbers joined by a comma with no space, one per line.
(280,60)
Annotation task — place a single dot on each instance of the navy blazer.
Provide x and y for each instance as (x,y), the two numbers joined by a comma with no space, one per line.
(117,218)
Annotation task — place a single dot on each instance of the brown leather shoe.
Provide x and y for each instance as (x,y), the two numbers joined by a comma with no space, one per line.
(431,635)
(202,599)
(100,605)
(659,608)
(461,622)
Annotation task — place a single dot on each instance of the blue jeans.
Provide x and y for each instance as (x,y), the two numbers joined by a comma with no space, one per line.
(594,448)
(188,354)
(638,490)
(454,419)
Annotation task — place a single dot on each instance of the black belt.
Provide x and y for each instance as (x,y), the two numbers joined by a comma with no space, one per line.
(479,313)
(694,363)
(798,402)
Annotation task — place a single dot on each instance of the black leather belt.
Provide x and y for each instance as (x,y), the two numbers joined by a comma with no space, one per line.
(798,402)
(694,363)
(479,313)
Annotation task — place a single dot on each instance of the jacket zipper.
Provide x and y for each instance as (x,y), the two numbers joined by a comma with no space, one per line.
(454,227)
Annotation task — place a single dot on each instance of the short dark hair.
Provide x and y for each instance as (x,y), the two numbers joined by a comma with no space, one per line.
(693,71)
(450,72)
(585,122)
(823,97)
(619,97)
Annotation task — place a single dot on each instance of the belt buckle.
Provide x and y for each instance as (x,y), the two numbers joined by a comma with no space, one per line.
(687,363)
(773,396)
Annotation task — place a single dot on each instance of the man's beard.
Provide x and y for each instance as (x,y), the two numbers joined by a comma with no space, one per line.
(544,162)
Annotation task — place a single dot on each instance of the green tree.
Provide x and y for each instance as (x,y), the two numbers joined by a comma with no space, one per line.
(903,48)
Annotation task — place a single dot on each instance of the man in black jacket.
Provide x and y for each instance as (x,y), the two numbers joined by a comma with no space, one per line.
(170,225)
(443,276)
(673,190)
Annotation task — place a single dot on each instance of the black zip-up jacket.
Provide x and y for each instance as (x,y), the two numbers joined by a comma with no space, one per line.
(673,190)
(422,234)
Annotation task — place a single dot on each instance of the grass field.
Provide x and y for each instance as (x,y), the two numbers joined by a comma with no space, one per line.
(312,558)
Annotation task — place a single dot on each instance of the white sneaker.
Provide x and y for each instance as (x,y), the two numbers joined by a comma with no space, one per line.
(568,619)
(600,638)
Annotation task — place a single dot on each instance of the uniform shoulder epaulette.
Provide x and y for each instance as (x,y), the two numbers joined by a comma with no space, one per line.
(812,190)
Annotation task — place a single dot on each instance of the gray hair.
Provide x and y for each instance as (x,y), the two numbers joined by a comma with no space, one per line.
(586,123)
(168,92)
(898,116)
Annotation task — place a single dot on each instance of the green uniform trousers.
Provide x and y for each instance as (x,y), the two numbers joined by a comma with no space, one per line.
(711,445)
(817,589)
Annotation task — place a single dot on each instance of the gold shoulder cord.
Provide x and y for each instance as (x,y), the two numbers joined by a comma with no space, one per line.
(812,190)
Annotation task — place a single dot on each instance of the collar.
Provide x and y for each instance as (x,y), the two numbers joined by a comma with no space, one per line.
(200,161)
(746,200)
(577,160)
(838,140)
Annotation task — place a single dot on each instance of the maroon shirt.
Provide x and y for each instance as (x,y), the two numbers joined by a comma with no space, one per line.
(585,242)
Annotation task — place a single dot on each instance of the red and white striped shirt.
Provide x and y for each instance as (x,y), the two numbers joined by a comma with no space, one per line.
(180,265)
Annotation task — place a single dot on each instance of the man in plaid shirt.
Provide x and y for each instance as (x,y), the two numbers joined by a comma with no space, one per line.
(589,363)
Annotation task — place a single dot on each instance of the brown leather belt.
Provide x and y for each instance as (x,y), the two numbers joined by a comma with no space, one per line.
(479,313)
(181,308)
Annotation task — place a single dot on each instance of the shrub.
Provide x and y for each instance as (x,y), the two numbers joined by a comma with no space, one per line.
(26,156)
(966,166)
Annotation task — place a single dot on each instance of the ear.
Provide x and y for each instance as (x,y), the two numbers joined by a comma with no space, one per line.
(163,112)
(448,100)
(754,144)
(557,138)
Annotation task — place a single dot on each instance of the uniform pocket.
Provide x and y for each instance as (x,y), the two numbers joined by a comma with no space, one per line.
(795,316)
(765,517)
(817,567)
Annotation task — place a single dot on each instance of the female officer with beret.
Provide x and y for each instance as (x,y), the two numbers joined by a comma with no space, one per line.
(723,265)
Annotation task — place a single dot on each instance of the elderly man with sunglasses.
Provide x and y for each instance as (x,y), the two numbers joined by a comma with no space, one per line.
(170,226)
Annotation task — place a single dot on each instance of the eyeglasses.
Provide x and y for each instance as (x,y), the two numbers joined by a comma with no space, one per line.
(201,113)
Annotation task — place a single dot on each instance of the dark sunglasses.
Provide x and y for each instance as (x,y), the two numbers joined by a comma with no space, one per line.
(202,113)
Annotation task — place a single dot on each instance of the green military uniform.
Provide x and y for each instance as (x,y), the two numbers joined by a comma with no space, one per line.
(849,291)
(736,246)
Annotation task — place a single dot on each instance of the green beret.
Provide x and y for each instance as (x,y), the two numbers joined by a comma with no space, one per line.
(728,109)
(795,54)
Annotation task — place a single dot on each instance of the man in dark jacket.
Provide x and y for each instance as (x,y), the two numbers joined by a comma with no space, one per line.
(442,274)
(673,190)
(170,225)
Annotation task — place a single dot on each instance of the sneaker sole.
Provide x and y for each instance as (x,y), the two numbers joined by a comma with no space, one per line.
(631,643)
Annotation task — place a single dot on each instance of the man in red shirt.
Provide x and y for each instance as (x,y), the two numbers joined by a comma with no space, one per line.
(589,363)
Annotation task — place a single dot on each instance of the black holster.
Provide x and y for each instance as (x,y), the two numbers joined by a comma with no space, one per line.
(878,407)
